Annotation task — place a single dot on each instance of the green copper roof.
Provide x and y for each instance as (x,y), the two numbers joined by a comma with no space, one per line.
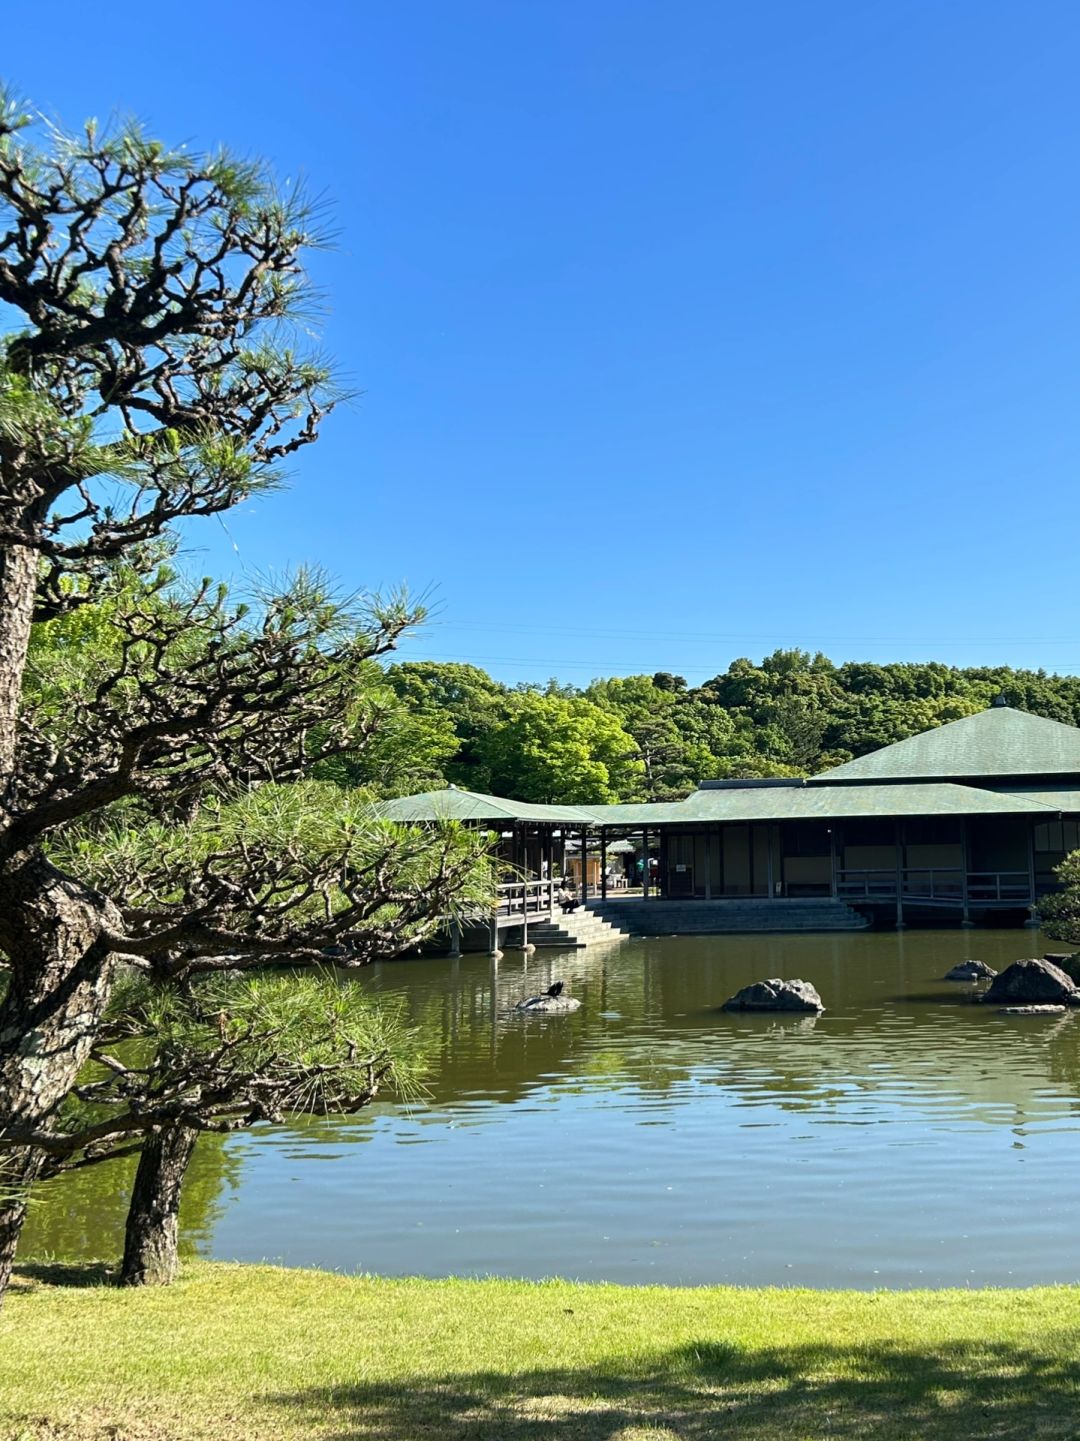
(799,802)
(996,742)
(638,813)
(452,804)
(793,802)
(1066,801)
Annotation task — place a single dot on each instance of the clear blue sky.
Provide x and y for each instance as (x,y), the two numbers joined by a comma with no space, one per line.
(685,330)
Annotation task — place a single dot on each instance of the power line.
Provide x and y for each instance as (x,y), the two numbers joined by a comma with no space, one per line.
(596,666)
(741,636)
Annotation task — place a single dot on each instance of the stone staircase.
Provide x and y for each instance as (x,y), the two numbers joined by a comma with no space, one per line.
(735,914)
(582,928)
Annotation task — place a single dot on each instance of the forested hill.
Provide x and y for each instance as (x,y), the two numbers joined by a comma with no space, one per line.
(653,737)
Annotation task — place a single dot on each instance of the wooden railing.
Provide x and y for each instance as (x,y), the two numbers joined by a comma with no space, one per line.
(941,884)
(527,898)
(999,886)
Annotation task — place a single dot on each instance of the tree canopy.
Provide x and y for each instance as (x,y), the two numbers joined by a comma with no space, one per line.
(792,713)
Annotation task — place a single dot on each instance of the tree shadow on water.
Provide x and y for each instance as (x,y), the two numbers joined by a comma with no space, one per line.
(975,1391)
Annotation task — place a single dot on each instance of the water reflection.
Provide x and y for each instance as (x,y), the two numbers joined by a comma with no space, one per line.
(906,1136)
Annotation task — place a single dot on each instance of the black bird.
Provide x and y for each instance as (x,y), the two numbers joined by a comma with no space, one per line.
(556,989)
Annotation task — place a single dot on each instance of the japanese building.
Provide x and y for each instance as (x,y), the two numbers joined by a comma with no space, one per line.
(970,818)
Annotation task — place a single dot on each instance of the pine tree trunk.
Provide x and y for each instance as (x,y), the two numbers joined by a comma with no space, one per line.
(18,589)
(12,1216)
(151,1255)
(61,972)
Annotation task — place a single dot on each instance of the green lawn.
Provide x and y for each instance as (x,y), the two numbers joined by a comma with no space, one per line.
(259,1353)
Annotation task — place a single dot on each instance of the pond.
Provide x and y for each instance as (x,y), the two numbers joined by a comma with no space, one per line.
(907,1137)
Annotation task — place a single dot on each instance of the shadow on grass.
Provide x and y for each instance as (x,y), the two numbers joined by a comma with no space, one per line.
(61,1273)
(970,1391)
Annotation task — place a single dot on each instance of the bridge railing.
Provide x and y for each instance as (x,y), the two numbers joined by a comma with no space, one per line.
(934,883)
(999,886)
(527,898)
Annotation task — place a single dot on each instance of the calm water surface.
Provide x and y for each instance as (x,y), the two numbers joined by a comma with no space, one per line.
(906,1137)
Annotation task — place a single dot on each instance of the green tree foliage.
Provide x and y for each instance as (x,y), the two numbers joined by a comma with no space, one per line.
(794,713)
(650,714)
(553,750)
(461,707)
(1060,912)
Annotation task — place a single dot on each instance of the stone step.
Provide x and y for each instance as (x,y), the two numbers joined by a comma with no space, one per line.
(582,928)
(746,915)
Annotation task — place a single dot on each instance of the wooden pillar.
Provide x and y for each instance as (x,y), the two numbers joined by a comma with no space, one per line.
(832,862)
(770,860)
(708,862)
(965,865)
(645,864)
(899,875)
(584,866)
(493,938)
(455,938)
(603,863)
(1033,919)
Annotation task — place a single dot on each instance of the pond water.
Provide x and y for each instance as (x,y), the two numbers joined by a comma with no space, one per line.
(907,1137)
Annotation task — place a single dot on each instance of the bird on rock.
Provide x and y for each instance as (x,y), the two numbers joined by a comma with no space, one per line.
(556,989)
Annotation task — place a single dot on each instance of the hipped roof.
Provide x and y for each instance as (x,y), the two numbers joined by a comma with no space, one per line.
(451,804)
(775,803)
(997,742)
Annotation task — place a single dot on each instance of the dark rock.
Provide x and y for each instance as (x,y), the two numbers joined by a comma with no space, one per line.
(549,1005)
(1032,982)
(1065,961)
(1032,1010)
(970,971)
(776,995)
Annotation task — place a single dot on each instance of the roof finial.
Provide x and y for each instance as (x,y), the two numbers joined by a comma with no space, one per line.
(999,700)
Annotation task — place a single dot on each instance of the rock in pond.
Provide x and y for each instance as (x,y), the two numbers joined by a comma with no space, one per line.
(1032,982)
(776,995)
(970,971)
(1067,961)
(1032,1010)
(549,1005)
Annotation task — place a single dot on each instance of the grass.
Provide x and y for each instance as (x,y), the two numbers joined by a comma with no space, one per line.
(256,1353)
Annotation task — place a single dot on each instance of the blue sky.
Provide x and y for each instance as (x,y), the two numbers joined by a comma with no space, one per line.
(683,330)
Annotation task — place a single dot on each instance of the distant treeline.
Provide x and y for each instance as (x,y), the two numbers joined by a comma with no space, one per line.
(653,737)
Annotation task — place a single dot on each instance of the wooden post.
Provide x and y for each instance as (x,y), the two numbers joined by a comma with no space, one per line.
(770,862)
(455,938)
(899,875)
(708,862)
(603,863)
(832,862)
(965,864)
(584,867)
(493,943)
(1033,918)
(645,864)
